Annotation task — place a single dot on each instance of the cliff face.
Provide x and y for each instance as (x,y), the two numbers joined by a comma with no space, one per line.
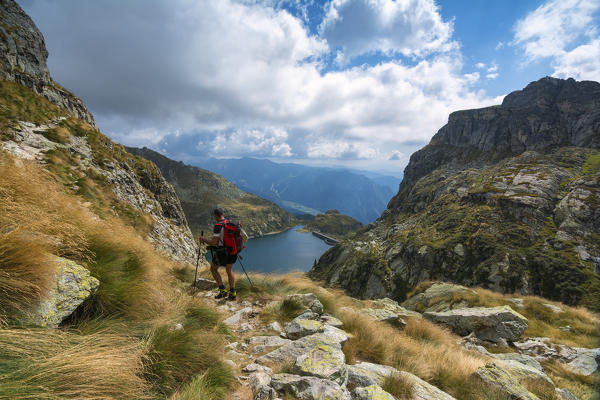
(200,191)
(504,197)
(23,57)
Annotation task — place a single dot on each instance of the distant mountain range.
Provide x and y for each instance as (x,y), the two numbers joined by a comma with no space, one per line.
(200,191)
(302,189)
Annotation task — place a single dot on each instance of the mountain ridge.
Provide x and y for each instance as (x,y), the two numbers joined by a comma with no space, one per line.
(502,197)
(200,191)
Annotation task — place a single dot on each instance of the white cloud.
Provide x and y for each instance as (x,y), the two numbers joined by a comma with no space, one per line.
(480,65)
(396,155)
(492,75)
(246,79)
(500,45)
(565,31)
(493,68)
(411,27)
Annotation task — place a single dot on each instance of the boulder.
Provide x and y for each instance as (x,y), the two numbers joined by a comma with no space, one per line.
(336,334)
(205,284)
(72,285)
(585,361)
(253,367)
(323,361)
(493,324)
(521,358)
(259,383)
(498,378)
(264,343)
(289,352)
(438,297)
(307,300)
(299,328)
(422,390)
(523,371)
(308,387)
(373,392)
(331,321)
(368,374)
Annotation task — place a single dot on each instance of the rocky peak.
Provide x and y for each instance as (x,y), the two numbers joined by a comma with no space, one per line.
(547,114)
(23,57)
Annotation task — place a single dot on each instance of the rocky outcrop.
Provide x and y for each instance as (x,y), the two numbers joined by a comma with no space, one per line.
(72,285)
(502,381)
(135,183)
(200,191)
(505,197)
(333,224)
(496,324)
(23,57)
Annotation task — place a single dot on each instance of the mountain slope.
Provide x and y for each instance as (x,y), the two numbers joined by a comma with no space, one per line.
(333,224)
(320,189)
(200,191)
(505,197)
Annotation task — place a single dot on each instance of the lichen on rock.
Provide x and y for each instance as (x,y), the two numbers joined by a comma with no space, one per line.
(73,284)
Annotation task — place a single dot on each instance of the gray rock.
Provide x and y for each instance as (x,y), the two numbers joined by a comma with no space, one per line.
(565,394)
(555,309)
(289,352)
(253,367)
(521,358)
(274,326)
(336,334)
(268,341)
(500,379)
(368,374)
(323,361)
(539,348)
(308,300)
(308,314)
(492,324)
(438,297)
(259,383)
(585,361)
(72,285)
(205,284)
(523,371)
(308,387)
(371,393)
(422,390)
(236,318)
(303,327)
(331,321)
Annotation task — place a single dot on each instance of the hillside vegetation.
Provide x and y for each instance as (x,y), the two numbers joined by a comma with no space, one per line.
(333,224)
(200,191)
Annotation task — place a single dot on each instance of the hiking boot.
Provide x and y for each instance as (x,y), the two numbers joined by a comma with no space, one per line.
(222,293)
(232,295)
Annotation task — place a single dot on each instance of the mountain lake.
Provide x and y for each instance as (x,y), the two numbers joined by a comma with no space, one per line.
(282,252)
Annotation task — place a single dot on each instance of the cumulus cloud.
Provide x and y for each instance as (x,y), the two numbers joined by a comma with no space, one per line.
(245,78)
(480,65)
(565,31)
(410,28)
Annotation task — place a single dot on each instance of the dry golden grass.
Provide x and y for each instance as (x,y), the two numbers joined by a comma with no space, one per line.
(25,272)
(54,364)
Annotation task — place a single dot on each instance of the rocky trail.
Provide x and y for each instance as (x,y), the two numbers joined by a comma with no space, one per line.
(304,359)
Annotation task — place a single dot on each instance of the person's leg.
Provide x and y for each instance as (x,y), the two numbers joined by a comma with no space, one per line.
(230,276)
(214,270)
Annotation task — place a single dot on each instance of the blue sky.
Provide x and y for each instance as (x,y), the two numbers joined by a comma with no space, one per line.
(358,83)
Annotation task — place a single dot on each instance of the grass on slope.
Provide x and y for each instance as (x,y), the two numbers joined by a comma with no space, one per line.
(126,326)
(423,348)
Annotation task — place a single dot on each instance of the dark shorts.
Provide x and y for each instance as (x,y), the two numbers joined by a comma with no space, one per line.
(221,257)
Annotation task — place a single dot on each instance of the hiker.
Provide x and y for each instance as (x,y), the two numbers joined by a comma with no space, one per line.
(221,256)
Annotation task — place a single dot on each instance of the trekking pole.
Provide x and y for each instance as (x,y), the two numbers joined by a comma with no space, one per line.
(244,269)
(197,262)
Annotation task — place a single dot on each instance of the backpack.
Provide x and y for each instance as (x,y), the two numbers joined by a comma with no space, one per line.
(234,237)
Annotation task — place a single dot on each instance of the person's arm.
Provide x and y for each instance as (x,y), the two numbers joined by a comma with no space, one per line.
(216,236)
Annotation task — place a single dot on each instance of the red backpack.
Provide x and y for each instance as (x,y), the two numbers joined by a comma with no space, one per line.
(233,236)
